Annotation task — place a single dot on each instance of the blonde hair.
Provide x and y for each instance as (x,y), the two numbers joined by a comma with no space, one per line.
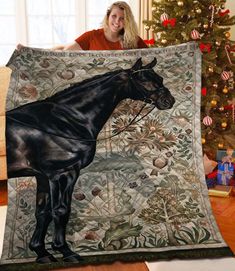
(130,32)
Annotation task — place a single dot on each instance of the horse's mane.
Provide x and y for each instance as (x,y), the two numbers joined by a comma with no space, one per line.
(93,81)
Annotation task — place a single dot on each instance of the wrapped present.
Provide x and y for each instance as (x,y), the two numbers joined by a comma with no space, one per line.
(211,182)
(224,173)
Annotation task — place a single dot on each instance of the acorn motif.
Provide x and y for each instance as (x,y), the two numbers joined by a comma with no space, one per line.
(160,162)
(66,74)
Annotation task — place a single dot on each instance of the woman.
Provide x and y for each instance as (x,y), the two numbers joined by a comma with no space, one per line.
(119,31)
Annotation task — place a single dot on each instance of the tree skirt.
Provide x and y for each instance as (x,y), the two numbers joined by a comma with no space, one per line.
(144,195)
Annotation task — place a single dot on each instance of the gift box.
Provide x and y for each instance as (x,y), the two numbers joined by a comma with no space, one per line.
(211,182)
(224,173)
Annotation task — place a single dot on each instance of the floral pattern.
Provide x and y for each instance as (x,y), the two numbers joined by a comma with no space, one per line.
(145,190)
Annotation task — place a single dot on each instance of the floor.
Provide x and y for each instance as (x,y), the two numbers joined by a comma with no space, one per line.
(224,211)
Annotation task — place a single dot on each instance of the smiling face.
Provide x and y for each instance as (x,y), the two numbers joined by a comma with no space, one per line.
(116,20)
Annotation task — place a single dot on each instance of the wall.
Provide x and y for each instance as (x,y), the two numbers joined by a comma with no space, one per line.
(231,6)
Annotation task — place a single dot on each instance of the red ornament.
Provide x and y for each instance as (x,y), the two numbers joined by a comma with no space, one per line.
(164,17)
(195,34)
(225,75)
(204,90)
(207,121)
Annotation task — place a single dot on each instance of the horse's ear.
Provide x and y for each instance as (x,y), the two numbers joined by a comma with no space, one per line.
(138,65)
(151,64)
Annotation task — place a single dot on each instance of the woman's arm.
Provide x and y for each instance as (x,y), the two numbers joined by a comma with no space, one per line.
(72,46)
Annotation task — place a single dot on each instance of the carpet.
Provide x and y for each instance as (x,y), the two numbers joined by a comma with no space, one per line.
(144,195)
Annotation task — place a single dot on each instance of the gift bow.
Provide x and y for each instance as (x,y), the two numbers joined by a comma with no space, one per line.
(149,42)
(205,47)
(170,21)
(222,13)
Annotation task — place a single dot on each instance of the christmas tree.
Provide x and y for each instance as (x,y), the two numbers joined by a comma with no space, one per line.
(208,23)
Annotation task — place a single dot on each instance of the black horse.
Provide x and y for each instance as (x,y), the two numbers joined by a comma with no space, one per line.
(54,138)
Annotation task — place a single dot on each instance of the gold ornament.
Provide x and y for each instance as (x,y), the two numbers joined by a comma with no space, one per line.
(210,69)
(227,35)
(180,3)
(213,103)
(215,85)
(205,26)
(225,90)
(218,43)
(203,140)
(163,41)
(220,145)
(221,109)
(198,11)
(224,124)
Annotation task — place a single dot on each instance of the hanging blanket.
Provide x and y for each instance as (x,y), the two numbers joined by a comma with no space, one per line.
(143,196)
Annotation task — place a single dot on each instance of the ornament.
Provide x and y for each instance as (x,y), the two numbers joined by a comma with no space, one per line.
(180,3)
(225,75)
(147,28)
(227,35)
(195,2)
(207,121)
(164,17)
(203,91)
(210,69)
(220,145)
(198,11)
(228,50)
(215,85)
(205,26)
(218,43)
(163,41)
(222,6)
(195,34)
(221,109)
(224,124)
(203,140)
(212,8)
(213,102)
(225,90)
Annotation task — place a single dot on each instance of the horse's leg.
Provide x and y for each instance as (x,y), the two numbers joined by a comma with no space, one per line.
(43,218)
(61,191)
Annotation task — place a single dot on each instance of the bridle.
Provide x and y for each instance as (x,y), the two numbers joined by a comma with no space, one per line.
(133,121)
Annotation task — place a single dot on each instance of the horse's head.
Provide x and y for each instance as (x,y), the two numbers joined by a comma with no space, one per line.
(148,85)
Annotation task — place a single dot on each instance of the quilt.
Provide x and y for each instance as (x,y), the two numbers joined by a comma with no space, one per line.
(105,160)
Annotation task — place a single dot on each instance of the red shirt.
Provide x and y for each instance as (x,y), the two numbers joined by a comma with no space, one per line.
(96,40)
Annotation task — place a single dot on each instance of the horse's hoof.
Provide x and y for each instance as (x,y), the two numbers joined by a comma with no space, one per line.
(74,258)
(46,259)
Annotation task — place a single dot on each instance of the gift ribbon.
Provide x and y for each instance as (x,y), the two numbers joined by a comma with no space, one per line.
(170,21)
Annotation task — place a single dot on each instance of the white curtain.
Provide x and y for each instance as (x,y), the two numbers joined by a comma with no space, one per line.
(145,13)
